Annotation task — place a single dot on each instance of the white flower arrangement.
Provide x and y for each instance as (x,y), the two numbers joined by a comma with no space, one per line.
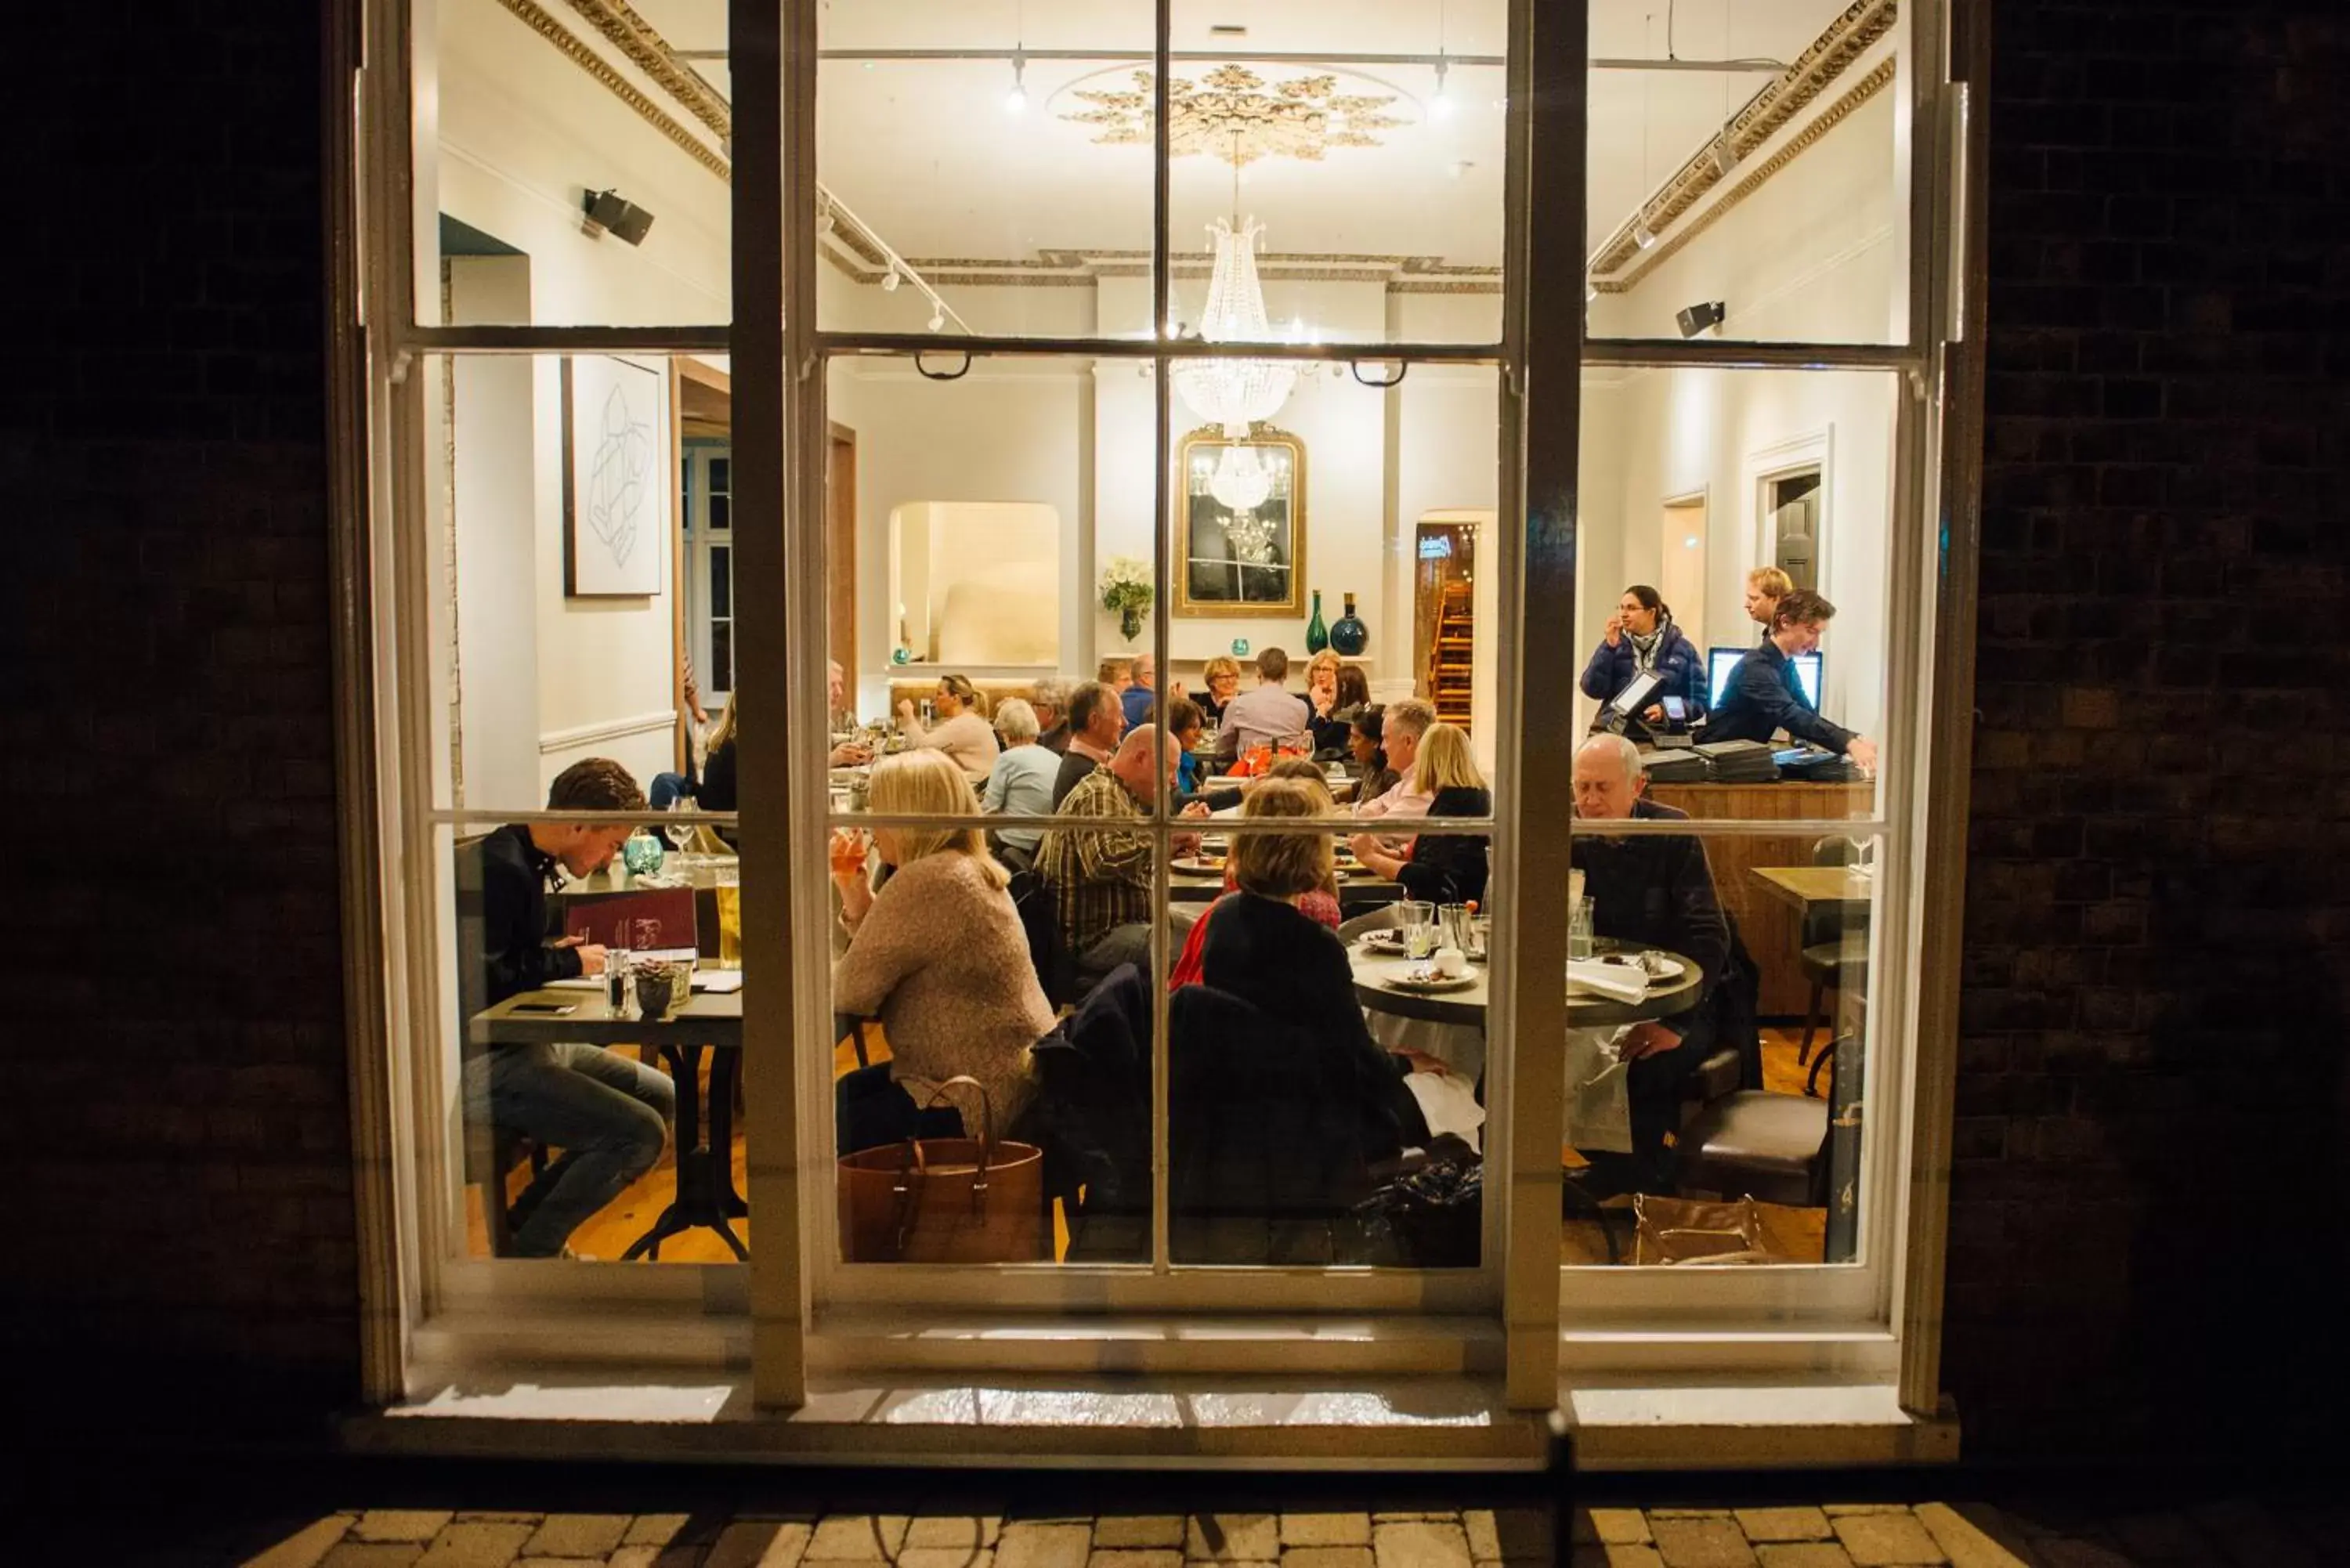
(1126,592)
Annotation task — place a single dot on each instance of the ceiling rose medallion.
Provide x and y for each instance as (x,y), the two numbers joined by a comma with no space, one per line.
(1231,115)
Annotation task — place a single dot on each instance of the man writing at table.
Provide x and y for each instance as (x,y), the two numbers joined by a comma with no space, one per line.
(609,1116)
(1647,893)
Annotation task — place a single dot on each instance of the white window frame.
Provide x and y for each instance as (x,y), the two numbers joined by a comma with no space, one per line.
(392,842)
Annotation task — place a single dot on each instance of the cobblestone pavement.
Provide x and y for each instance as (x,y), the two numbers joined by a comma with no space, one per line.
(2241,1533)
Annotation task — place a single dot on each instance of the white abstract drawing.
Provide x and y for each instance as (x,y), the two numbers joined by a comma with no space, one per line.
(615,429)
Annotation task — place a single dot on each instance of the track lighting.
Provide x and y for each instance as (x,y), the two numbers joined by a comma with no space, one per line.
(890,280)
(1725,156)
(938,317)
(1440,106)
(1642,235)
(1016,100)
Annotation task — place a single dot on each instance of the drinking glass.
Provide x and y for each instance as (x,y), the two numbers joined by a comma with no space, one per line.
(730,916)
(1419,928)
(1452,925)
(680,833)
(1580,939)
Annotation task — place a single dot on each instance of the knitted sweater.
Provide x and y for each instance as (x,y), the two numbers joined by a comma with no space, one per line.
(941,958)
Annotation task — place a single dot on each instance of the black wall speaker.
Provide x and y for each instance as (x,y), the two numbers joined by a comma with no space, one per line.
(1696,318)
(606,210)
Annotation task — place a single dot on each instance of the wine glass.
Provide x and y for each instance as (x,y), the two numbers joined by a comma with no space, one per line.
(680,833)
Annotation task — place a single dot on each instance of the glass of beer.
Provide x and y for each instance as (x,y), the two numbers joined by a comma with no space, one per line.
(730,915)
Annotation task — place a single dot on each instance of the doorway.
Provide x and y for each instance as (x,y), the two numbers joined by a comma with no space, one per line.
(840,548)
(1680,571)
(1444,615)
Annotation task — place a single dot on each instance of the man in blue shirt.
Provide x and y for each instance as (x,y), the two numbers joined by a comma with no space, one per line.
(1139,697)
(1765,695)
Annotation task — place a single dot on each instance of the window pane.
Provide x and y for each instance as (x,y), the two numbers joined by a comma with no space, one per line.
(964,195)
(722,654)
(1716,1045)
(721,480)
(721,582)
(579,171)
(556,550)
(590,1083)
(1377,186)
(946,968)
(1771,188)
(1697,485)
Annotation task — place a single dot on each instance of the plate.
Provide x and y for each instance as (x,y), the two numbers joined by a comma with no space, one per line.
(1389,940)
(1664,968)
(1432,985)
(1198,865)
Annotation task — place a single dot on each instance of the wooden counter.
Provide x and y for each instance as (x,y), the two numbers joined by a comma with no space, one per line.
(1769,927)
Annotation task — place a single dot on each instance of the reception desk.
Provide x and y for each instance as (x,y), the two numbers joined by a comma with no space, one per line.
(1770,927)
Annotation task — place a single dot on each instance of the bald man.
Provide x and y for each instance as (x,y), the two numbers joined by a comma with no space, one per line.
(1646,893)
(1100,866)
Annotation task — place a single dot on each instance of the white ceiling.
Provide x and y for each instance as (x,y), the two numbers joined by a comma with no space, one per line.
(927,153)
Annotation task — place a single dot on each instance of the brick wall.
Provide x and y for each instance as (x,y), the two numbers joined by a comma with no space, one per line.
(2152,1100)
(178,1175)
(2152,1095)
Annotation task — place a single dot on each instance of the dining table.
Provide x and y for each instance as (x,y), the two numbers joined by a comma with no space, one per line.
(707,1020)
(1850,892)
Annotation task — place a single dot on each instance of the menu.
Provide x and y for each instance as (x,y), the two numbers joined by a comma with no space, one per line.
(654,922)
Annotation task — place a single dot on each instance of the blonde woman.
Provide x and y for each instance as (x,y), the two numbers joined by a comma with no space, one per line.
(959,727)
(938,954)
(716,791)
(1223,680)
(1442,868)
(1322,683)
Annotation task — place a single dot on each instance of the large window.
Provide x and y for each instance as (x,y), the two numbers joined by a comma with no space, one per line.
(956,391)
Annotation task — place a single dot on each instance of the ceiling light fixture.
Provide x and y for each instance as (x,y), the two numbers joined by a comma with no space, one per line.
(1440,106)
(1642,235)
(890,280)
(1016,100)
(938,317)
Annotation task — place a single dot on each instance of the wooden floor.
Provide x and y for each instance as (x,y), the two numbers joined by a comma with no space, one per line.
(1796,1233)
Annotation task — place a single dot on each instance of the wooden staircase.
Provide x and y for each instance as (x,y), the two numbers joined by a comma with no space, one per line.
(1450,682)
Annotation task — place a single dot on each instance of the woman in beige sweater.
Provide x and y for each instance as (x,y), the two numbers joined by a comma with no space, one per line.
(939,954)
(961,729)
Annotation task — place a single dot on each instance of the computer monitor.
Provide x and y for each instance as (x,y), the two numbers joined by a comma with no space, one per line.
(1721,661)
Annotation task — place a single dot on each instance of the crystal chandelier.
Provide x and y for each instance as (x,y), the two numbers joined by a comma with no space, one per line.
(1234,393)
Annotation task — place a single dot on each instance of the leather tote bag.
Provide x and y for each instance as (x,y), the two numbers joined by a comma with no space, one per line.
(945,1200)
(1680,1230)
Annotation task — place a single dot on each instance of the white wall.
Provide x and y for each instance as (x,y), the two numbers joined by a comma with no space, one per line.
(522,133)
(1010,430)
(1813,256)
(497,511)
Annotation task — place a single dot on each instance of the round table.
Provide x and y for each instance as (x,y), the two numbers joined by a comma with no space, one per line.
(1374,970)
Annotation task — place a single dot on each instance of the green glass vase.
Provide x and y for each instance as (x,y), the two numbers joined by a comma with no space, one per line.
(1317,636)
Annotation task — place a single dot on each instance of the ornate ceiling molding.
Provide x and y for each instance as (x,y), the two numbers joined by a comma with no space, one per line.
(1772,110)
(651,53)
(1230,114)
(1867,87)
(576,50)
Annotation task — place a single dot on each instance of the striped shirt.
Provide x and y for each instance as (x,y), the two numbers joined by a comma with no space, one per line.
(1101,880)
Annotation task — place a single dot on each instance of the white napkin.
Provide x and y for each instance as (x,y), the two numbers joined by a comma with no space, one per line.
(1617,981)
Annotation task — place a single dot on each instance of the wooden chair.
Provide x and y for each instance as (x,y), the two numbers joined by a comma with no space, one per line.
(487,1163)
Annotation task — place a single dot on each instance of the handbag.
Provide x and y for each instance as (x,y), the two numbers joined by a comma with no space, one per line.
(1681,1230)
(945,1200)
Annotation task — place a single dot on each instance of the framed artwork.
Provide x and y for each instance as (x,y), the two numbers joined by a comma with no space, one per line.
(617,477)
(1240,525)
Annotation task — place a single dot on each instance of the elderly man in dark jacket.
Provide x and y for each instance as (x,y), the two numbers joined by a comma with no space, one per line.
(1648,892)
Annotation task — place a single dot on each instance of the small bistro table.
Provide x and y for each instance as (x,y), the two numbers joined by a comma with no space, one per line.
(708,1020)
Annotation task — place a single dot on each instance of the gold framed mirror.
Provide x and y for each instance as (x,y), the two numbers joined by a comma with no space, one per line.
(1233,558)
